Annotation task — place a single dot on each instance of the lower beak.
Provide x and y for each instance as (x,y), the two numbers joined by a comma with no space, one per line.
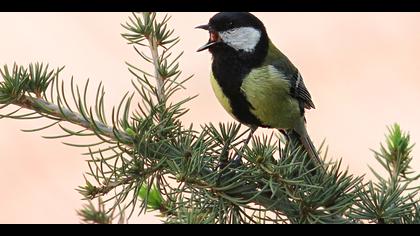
(207,45)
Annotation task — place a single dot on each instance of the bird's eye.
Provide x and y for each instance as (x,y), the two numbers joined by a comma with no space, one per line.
(231,24)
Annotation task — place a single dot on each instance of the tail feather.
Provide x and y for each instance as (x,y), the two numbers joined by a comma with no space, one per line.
(305,141)
(310,148)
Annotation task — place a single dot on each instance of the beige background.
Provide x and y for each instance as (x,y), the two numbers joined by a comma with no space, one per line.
(362,70)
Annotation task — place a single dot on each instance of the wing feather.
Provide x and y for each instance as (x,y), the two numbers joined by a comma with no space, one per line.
(298,89)
(301,92)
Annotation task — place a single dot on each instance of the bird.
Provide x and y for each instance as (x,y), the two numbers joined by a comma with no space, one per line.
(254,81)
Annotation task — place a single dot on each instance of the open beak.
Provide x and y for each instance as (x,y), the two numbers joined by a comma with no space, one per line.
(214,37)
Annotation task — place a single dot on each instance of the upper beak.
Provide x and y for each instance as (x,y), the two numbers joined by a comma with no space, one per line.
(214,37)
(204,27)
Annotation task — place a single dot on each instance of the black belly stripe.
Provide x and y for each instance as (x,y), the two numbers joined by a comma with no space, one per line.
(229,73)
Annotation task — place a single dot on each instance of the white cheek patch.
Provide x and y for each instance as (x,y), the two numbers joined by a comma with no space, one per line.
(244,38)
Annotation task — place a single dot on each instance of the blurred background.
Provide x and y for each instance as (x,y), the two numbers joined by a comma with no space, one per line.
(362,70)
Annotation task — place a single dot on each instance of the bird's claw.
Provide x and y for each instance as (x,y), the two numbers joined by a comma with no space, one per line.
(233,163)
(237,161)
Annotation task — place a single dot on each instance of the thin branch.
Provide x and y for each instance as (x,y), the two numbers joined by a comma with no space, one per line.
(43,107)
(153,45)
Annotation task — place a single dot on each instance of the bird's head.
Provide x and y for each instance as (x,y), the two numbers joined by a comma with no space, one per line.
(240,31)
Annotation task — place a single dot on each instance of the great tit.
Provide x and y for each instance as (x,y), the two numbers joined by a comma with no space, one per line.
(253,80)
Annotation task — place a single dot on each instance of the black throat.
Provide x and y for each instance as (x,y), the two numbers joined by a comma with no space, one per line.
(229,68)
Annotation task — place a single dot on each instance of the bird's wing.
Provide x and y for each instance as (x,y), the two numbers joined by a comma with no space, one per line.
(298,89)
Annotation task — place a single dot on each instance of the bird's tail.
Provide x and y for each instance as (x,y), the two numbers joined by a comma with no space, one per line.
(310,148)
(303,139)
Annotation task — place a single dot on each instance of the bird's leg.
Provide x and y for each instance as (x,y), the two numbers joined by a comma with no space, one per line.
(282,131)
(280,150)
(238,158)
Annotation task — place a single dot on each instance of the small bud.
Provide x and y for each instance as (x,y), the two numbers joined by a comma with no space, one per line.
(130,132)
(259,159)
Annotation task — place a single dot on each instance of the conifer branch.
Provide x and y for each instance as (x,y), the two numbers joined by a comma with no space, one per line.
(41,106)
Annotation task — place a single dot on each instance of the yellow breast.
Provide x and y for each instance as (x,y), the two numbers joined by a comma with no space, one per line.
(220,95)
